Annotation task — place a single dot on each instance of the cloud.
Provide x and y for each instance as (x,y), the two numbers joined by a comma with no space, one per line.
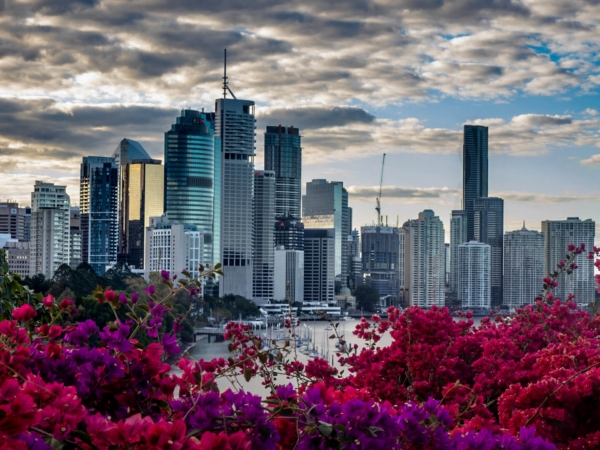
(364,193)
(593,160)
(531,197)
(315,117)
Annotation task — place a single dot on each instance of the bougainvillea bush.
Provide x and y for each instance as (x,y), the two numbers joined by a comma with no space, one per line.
(526,381)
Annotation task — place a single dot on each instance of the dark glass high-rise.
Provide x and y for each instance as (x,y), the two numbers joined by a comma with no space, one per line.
(475,171)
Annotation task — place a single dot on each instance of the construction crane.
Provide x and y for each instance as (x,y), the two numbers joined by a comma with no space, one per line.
(378,207)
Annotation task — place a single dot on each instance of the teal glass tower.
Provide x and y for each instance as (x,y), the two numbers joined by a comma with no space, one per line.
(193,177)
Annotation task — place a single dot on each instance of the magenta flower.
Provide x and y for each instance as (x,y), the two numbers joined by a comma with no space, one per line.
(122,299)
(134,298)
(150,290)
(109,295)
(48,301)
(165,275)
(117,339)
(169,342)
(24,313)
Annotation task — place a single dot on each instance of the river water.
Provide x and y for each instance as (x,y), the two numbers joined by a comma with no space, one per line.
(317,329)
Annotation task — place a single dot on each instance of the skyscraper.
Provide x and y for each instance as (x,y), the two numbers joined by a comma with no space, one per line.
(475,171)
(380,262)
(325,205)
(523,267)
(192,187)
(264,250)
(50,228)
(458,236)
(474,275)
(289,270)
(75,237)
(141,196)
(319,265)
(283,155)
(99,187)
(289,233)
(426,253)
(489,229)
(235,124)
(558,234)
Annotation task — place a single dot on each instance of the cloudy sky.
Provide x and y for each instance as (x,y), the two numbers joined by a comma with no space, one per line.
(358,77)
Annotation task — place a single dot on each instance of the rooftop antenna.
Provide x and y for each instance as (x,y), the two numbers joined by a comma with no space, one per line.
(225,82)
(378,207)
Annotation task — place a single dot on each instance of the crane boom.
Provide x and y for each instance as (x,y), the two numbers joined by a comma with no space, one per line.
(378,207)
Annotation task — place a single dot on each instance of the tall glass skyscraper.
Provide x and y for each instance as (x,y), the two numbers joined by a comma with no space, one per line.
(192,191)
(141,196)
(325,205)
(475,171)
(489,229)
(235,124)
(283,155)
(99,185)
(380,261)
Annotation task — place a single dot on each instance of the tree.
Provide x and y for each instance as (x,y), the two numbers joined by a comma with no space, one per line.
(38,283)
(366,297)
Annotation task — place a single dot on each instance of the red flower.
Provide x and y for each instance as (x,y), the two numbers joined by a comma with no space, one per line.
(24,313)
(66,304)
(109,295)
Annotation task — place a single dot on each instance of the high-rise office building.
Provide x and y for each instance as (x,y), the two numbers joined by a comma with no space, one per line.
(75,237)
(558,234)
(325,205)
(141,196)
(523,267)
(380,261)
(355,261)
(99,188)
(283,155)
(289,233)
(319,265)
(474,285)
(489,229)
(173,246)
(15,220)
(426,266)
(192,180)
(50,228)
(458,236)
(235,124)
(289,275)
(475,171)
(264,250)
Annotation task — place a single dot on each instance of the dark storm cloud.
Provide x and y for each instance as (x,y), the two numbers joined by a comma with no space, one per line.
(45,132)
(315,117)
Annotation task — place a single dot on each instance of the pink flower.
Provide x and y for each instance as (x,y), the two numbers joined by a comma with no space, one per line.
(48,301)
(165,275)
(134,298)
(24,313)
(571,247)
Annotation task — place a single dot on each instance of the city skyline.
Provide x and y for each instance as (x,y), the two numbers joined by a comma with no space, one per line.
(376,78)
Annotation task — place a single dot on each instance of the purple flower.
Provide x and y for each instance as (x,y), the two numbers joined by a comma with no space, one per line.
(117,339)
(169,342)
(165,275)
(159,310)
(529,441)
(285,392)
(150,290)
(123,299)
(134,298)
(82,333)
(152,326)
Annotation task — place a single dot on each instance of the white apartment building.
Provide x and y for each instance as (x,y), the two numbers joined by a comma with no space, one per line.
(319,265)
(264,236)
(427,260)
(523,267)
(474,285)
(50,228)
(172,246)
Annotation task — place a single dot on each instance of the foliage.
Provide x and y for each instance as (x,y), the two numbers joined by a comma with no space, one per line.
(528,381)
(12,292)
(366,297)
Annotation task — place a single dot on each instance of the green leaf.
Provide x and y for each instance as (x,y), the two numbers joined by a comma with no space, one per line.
(247,374)
(325,429)
(82,435)
(144,307)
